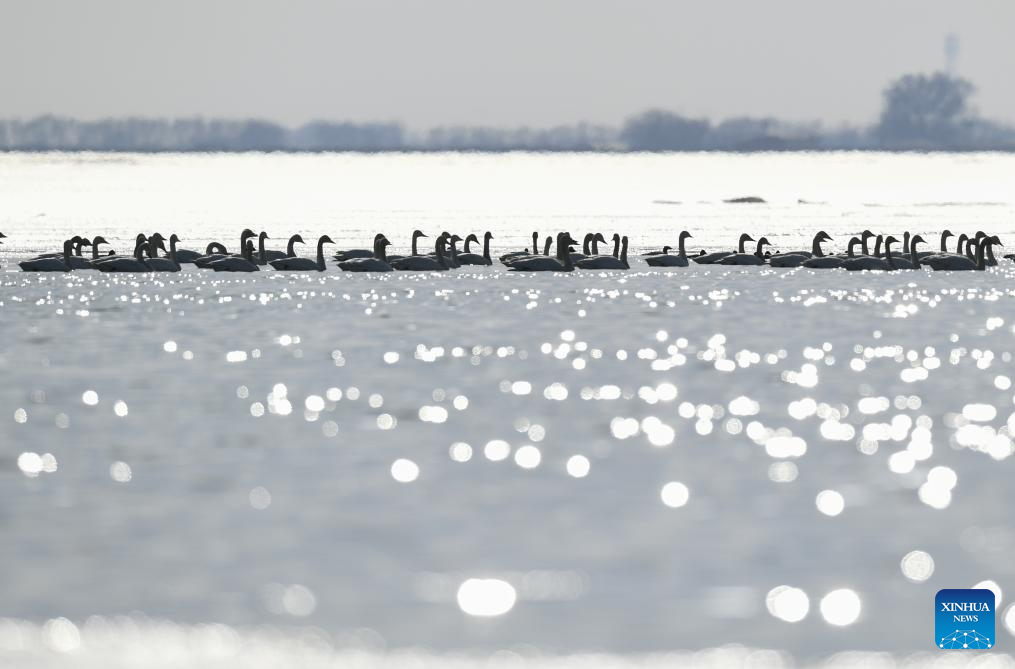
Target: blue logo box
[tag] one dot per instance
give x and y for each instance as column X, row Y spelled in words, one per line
column 964, row 619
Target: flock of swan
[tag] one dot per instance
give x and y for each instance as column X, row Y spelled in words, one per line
column 971, row 253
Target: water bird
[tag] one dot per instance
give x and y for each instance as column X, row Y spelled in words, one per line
column 292, row 263
column 377, row 262
column 50, row 264
column 666, row 260
column 467, row 258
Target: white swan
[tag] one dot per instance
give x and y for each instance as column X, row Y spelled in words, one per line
column 756, row 258
column 712, row 258
column 294, row 264
column 50, row 264
column 376, row 263
column 467, row 258
column 607, row 262
column 561, row 263
column 666, row 260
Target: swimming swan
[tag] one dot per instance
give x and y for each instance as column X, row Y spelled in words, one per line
column 607, row 262
column 756, row 258
column 294, row 264
column 50, row 264
column 664, row 259
column 561, row 263
column 467, row 258
column 712, row 258
column 376, row 263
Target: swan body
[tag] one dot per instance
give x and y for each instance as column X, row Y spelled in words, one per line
column 756, row 258
column 713, row 258
column 234, row 264
column 377, row 262
column 561, row 263
column 424, row 263
column 666, row 260
column 133, row 264
column 606, row 262
column 467, row 258
column 50, row 264
column 294, row 264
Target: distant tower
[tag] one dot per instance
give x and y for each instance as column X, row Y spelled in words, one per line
column 951, row 52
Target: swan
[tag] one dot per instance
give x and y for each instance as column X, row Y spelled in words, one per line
column 207, row 259
column 76, row 242
column 50, row 264
column 664, row 259
column 474, row 258
column 77, row 261
column 756, row 258
column 965, row 250
column 452, row 258
column 376, row 263
column 292, row 263
column 419, row 263
column 237, row 264
column 546, row 253
column 290, row 251
column 352, row 254
column 913, row 262
column 607, row 262
column 138, row 241
column 586, row 248
column 831, row 262
column 712, row 258
column 561, row 263
column 526, row 252
column 169, row 264
column 957, row 262
column 873, row 262
column 797, row 258
column 864, row 236
column 416, row 234
column 133, row 264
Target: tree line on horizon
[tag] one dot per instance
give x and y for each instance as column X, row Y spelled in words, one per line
column 919, row 112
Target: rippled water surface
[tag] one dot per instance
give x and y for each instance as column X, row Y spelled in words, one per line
column 483, row 467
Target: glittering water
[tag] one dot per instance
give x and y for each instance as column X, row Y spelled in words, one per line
column 492, row 466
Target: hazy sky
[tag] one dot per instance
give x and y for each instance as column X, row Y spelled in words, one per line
column 536, row 62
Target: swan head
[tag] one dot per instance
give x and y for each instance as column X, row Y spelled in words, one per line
column 746, row 238
column 599, row 238
column 297, row 239
column 472, row 238
column 890, row 240
column 666, row 249
column 823, row 236
column 979, row 234
column 487, row 235
column 914, row 240
column 994, row 239
column 2, row 235
column 945, row 234
column 173, row 238
column 76, row 239
column 764, row 242
column 263, row 236
column 684, row 234
column 84, row 241
column 616, row 237
column 454, row 238
column 865, row 234
column 99, row 240
column 325, row 239
column 155, row 236
column 416, row 234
